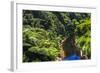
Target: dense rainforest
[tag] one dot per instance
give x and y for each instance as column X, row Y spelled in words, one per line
column 43, row 32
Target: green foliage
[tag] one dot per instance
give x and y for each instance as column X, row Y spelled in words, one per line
column 51, row 53
column 44, row 30
column 40, row 43
column 83, row 39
